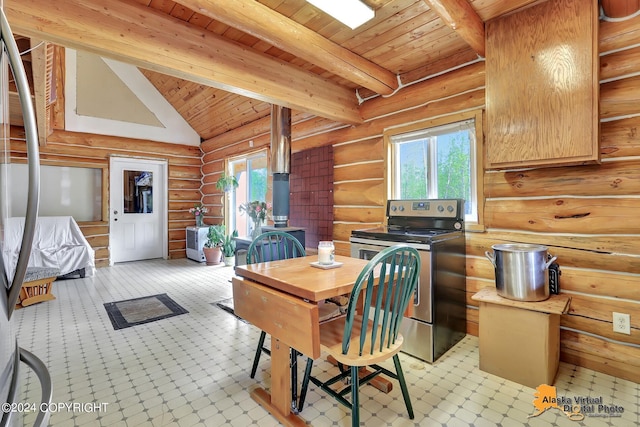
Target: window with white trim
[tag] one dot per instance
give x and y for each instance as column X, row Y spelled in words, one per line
column 439, row 159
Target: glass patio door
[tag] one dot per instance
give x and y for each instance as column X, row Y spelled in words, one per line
column 251, row 173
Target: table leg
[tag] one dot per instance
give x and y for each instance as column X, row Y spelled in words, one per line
column 280, row 377
column 279, row 402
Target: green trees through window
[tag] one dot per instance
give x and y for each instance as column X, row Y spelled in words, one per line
column 258, row 184
column 437, row 162
column 454, row 166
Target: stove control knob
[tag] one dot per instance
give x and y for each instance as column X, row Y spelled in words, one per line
column 440, row 208
column 450, row 208
column 393, row 208
column 401, row 208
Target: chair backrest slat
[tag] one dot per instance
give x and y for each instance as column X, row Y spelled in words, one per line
column 274, row 245
column 392, row 275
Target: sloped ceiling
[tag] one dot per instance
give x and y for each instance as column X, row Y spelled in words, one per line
column 220, row 64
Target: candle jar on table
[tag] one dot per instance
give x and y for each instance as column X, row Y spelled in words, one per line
column 326, row 252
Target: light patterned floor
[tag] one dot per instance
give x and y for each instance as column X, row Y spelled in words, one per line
column 193, row 369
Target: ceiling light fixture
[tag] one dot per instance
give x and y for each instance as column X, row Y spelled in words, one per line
column 352, row 13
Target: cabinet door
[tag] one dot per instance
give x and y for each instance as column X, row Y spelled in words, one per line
column 542, row 86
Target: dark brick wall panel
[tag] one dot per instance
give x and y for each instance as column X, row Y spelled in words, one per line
column 311, row 187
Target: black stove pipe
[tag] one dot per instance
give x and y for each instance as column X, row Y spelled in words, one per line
column 280, row 163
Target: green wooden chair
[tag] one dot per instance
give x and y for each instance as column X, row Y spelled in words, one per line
column 272, row 246
column 382, row 291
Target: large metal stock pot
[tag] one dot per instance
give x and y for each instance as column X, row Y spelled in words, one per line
column 522, row 271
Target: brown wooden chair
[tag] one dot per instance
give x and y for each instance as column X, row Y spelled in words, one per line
column 37, row 286
column 370, row 332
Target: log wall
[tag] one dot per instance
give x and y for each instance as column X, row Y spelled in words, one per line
column 93, row 151
column 587, row 215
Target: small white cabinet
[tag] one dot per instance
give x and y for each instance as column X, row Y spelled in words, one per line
column 196, row 238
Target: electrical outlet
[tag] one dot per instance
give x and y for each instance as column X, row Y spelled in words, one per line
column 622, row 323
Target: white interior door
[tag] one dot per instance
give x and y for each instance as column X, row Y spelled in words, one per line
column 138, row 209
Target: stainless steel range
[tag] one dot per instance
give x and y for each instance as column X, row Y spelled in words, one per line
column 436, row 228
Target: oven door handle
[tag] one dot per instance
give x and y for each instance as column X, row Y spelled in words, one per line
column 379, row 244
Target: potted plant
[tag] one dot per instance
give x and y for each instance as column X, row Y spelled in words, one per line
column 213, row 246
column 198, row 211
column 258, row 212
column 229, row 248
column 227, row 183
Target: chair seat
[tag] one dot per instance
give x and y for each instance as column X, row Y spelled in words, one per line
column 331, row 334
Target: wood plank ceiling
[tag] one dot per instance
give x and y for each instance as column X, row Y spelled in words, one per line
column 408, row 40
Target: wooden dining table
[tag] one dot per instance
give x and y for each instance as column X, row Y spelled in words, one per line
column 282, row 298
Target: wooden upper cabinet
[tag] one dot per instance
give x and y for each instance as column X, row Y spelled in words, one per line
column 542, row 86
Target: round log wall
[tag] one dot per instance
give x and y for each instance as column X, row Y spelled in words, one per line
column 587, row 215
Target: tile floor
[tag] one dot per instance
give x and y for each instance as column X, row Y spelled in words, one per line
column 193, row 369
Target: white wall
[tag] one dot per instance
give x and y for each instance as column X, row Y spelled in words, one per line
column 64, row 191
column 132, row 88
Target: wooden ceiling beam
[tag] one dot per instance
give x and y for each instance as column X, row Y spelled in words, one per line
column 149, row 39
column 463, row 19
column 619, row 8
column 268, row 25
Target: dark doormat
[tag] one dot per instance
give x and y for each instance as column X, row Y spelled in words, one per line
column 227, row 305
column 138, row 311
